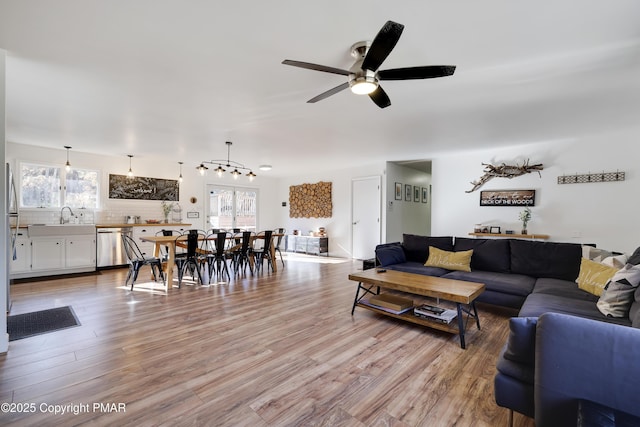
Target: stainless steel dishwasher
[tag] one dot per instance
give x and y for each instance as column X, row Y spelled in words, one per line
column 109, row 247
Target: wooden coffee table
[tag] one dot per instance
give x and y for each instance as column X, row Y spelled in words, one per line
column 458, row 291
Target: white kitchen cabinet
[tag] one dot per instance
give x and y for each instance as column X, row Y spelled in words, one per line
column 22, row 263
column 80, row 251
column 47, row 253
column 52, row 255
column 145, row 247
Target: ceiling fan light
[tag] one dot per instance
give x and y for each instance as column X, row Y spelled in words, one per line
column 363, row 85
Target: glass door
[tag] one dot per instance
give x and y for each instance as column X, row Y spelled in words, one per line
column 232, row 207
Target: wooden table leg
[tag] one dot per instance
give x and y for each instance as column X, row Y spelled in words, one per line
column 171, row 259
column 274, row 264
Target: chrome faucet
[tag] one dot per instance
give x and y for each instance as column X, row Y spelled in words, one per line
column 62, row 221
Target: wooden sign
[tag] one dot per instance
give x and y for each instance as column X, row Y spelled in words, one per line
column 508, row 198
column 141, row 188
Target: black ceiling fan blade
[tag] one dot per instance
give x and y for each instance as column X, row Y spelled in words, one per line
column 382, row 45
column 380, row 97
column 316, row 67
column 412, row 73
column 328, row 93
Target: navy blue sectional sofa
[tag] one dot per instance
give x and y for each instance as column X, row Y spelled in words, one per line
column 534, row 277
column 531, row 276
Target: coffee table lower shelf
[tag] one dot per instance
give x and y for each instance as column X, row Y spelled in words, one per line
column 457, row 326
column 412, row 318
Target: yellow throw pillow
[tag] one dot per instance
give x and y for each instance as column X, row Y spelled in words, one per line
column 594, row 276
column 450, row 260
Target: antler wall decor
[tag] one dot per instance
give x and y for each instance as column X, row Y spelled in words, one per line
column 504, row 171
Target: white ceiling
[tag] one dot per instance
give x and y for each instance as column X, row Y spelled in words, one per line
column 179, row 78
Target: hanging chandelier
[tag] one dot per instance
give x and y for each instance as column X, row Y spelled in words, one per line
column 237, row 167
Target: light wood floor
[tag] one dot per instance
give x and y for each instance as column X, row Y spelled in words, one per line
column 273, row 350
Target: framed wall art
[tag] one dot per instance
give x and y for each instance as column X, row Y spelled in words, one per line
column 398, row 191
column 425, row 194
column 143, row 188
column 416, row 193
column 407, row 192
column 508, row 198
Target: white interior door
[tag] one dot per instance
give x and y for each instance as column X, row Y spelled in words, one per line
column 365, row 208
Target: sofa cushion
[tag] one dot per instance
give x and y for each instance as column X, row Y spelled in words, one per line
column 521, row 344
column 538, row 303
column 594, row 276
column 635, row 257
column 634, row 311
column 514, row 284
column 449, row 260
column 562, row 288
column 390, row 253
column 617, row 261
column 418, row 268
column 619, row 293
column 545, row 259
column 417, row 247
column 594, row 254
column 488, row 254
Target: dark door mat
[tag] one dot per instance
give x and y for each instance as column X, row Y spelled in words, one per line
column 40, row 322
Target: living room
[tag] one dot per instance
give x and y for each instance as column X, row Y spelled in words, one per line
column 569, row 105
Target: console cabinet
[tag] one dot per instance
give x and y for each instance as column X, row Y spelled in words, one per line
column 308, row 244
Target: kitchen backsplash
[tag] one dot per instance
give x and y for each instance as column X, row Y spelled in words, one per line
column 87, row 216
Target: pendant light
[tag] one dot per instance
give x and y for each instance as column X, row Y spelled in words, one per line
column 130, row 173
column 237, row 167
column 67, row 165
column 180, row 177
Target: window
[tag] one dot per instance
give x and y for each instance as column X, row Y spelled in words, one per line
column 43, row 186
column 231, row 208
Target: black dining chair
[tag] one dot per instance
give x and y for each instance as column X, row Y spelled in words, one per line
column 264, row 252
column 278, row 241
column 217, row 256
column 136, row 259
column 242, row 254
column 193, row 259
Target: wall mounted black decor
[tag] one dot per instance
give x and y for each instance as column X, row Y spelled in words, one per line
column 591, row 177
column 142, row 188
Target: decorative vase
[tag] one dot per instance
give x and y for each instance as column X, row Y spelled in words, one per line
column 166, row 220
column 524, row 231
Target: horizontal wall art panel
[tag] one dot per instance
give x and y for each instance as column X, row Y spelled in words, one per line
column 142, row 188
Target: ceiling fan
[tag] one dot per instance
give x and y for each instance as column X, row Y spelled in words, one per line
column 364, row 76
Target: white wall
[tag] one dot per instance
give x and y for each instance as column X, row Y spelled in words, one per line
column 406, row 216
column 4, row 337
column 338, row 227
column 113, row 210
column 601, row 213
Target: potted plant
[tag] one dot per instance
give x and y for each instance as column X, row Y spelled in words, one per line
column 166, row 210
column 525, row 217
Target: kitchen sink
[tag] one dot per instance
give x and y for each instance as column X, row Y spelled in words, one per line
column 60, row 229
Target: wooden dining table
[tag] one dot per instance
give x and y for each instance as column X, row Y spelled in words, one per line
column 173, row 242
